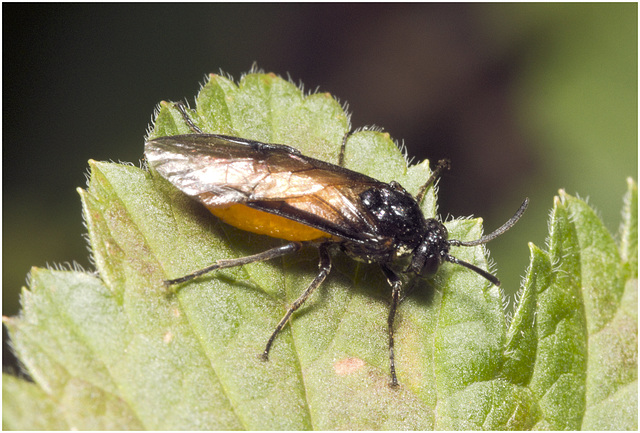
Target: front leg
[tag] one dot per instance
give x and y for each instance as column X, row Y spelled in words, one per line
column 396, row 289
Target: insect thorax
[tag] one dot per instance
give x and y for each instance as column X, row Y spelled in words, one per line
column 399, row 225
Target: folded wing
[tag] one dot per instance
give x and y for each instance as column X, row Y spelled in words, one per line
column 221, row 171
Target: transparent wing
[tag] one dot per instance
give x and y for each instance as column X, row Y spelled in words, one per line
column 220, row 171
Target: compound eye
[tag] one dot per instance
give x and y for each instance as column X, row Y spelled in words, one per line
column 431, row 265
column 425, row 260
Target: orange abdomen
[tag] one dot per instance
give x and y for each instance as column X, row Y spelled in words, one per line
column 264, row 223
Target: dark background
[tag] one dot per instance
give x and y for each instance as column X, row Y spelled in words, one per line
column 523, row 98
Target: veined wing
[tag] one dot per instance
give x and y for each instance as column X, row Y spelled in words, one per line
column 222, row 171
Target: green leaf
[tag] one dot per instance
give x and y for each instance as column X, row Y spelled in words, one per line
column 27, row 407
column 573, row 339
column 118, row 350
column 69, row 330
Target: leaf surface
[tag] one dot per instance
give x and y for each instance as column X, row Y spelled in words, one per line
column 119, row 350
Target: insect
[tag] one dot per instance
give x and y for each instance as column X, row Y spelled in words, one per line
column 273, row 189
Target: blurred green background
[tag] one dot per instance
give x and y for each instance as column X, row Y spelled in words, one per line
column 523, row 98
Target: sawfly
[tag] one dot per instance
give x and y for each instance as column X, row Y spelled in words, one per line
column 274, row 190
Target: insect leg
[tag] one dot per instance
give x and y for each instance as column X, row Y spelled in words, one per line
column 325, row 268
column 342, row 149
column 396, row 287
column 181, row 108
column 443, row 164
column 272, row 253
column 409, row 290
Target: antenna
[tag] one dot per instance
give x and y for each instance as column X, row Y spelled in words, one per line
column 506, row 226
column 483, row 240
